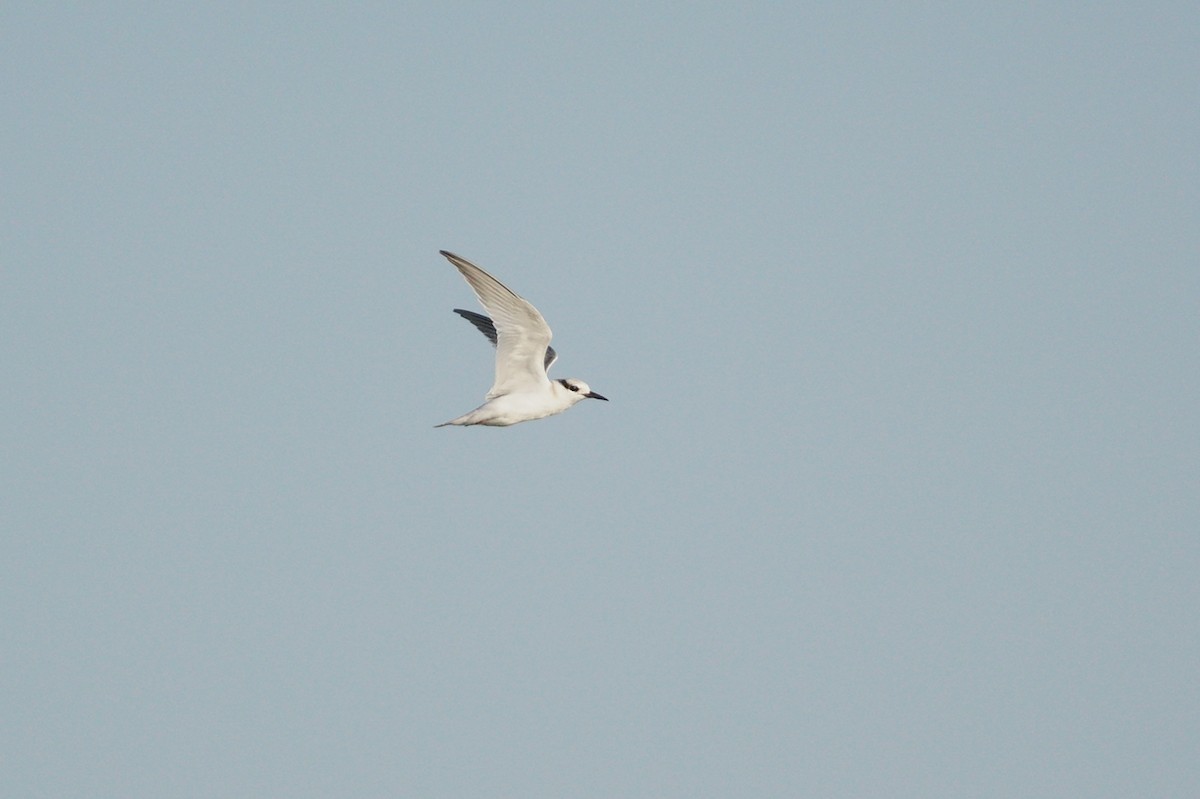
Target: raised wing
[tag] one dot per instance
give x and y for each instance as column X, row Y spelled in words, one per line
column 484, row 325
column 522, row 335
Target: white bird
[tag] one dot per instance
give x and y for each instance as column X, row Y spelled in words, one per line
column 522, row 391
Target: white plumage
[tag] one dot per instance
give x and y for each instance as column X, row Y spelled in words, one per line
column 522, row 390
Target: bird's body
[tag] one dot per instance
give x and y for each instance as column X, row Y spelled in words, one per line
column 522, row 390
column 522, row 406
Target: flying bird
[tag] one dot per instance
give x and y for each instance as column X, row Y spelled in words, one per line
column 523, row 391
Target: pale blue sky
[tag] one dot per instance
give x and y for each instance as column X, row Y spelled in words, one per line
column 898, row 493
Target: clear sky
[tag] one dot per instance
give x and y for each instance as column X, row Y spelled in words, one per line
column 897, row 494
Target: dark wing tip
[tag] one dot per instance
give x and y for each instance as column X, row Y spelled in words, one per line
column 482, row 323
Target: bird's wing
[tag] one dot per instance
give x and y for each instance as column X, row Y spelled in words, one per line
column 484, row 325
column 522, row 335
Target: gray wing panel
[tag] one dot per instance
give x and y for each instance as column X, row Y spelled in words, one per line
column 484, row 325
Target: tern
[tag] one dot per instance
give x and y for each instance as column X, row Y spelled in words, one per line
column 523, row 391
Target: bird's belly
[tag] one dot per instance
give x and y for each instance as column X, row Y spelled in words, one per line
column 511, row 409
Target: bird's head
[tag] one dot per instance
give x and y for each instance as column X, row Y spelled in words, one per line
column 579, row 389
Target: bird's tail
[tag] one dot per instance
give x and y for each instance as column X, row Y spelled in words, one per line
column 460, row 421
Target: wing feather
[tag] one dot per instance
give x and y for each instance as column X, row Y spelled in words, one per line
column 484, row 325
column 522, row 335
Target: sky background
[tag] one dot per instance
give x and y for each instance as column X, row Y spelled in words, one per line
column 898, row 493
